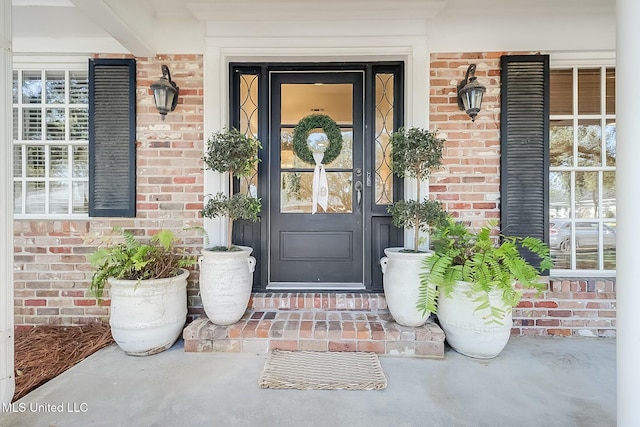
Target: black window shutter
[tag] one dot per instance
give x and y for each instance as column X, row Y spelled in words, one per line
column 112, row 138
column 524, row 145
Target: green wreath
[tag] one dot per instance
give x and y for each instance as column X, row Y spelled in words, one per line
column 301, row 133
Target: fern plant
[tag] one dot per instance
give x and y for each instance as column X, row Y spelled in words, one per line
column 486, row 262
column 134, row 260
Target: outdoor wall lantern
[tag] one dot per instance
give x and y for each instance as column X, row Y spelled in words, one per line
column 165, row 93
column 470, row 93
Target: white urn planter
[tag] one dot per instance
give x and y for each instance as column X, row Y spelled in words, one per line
column 467, row 331
column 226, row 278
column 147, row 316
column 401, row 282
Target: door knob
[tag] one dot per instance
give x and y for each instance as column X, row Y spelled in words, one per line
column 358, row 187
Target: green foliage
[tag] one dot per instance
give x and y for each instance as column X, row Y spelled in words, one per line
column 415, row 152
column 134, row 260
column 301, row 134
column 483, row 261
column 418, row 215
column 236, row 153
column 238, row 206
column 232, row 151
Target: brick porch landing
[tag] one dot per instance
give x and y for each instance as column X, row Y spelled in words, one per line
column 316, row 322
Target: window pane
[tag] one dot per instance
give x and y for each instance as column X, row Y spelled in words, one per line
column 345, row 158
column 582, row 193
column 32, row 124
column 17, row 197
column 78, row 87
column 55, row 124
column 610, row 245
column 589, row 143
column 561, row 143
column 80, row 197
column 78, row 124
column 589, row 91
column 610, row 142
column 59, row 162
column 587, row 194
column 58, row 197
column 41, row 115
column 17, row 161
column 561, row 92
column 287, row 158
column 611, row 91
column 15, row 124
column 54, row 85
column 384, row 128
column 587, row 245
column 31, row 87
column 80, row 161
column 36, row 161
column 35, row 197
column 609, row 195
column 560, row 194
column 296, row 195
column 14, row 88
column 560, row 243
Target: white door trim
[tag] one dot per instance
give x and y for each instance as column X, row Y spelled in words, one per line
column 221, row 50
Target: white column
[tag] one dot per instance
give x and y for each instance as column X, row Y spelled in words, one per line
column 628, row 236
column 7, row 383
column 215, row 118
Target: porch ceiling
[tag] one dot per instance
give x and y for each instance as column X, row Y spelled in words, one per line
column 147, row 27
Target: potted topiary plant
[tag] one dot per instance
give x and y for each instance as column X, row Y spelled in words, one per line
column 226, row 272
column 147, row 288
column 475, row 276
column 414, row 153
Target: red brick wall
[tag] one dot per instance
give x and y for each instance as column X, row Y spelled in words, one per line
column 469, row 182
column 469, row 186
column 51, row 257
column 51, row 267
column 569, row 307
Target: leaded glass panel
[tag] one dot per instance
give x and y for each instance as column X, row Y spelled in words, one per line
column 384, row 123
column 249, row 124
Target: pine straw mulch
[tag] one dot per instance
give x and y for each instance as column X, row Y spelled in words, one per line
column 44, row 352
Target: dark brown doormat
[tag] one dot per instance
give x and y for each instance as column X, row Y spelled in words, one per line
column 309, row 370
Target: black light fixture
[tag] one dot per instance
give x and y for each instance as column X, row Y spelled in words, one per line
column 470, row 93
column 165, row 93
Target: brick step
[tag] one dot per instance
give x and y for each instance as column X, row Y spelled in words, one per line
column 317, row 301
column 260, row 331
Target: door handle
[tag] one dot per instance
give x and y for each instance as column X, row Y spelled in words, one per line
column 358, row 188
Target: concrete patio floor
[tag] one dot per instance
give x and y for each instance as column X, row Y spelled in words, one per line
column 536, row 381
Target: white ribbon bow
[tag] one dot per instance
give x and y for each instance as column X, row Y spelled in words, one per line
column 320, row 184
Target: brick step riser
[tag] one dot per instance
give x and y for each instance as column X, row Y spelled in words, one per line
column 264, row 330
column 318, row 301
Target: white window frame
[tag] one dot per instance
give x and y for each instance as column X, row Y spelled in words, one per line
column 43, row 64
column 574, row 61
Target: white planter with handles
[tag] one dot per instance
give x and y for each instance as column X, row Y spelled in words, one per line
column 148, row 316
column 226, row 278
column 466, row 329
column 401, row 284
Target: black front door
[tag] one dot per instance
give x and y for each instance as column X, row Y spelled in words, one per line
column 313, row 246
column 337, row 248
